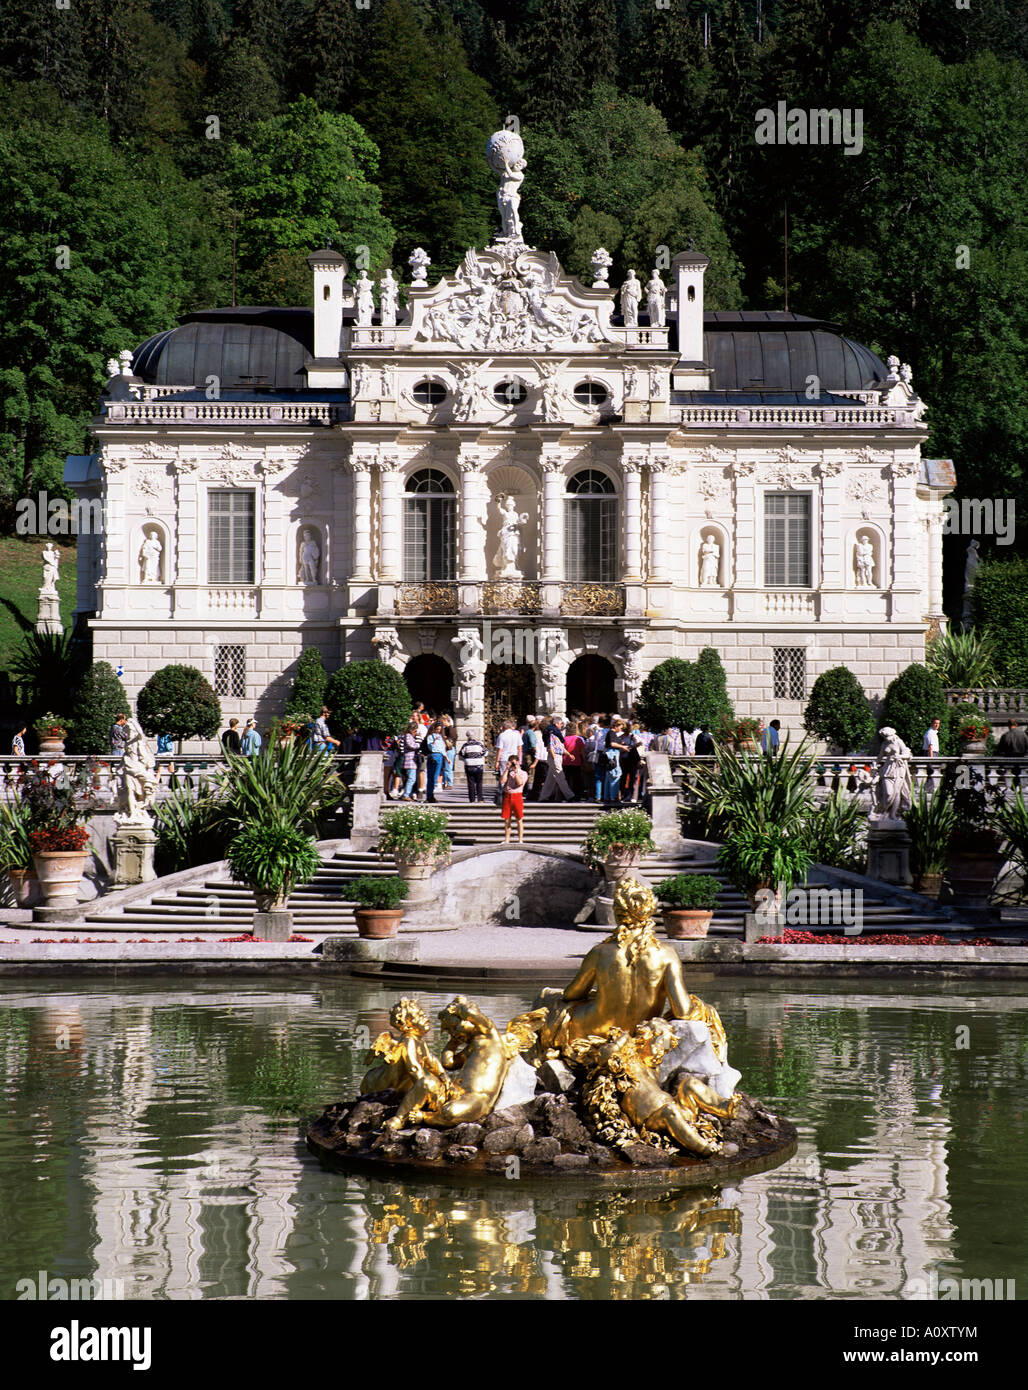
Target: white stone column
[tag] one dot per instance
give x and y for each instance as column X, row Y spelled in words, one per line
column 659, row 504
column 391, row 505
column 906, row 594
column 553, row 516
column 935, row 557
column 631, row 471
column 361, row 474
column 473, row 503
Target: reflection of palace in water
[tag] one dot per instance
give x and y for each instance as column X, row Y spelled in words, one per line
column 188, row 1191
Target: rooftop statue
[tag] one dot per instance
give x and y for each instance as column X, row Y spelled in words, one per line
column 506, row 155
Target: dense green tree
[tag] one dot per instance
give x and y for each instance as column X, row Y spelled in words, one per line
column 308, row 692
column 333, row 30
column 368, row 696
column 838, row 711
column 306, row 177
column 912, row 700
column 670, row 68
column 99, row 700
column 555, row 46
column 430, row 117
column 1001, row 611
column 178, row 700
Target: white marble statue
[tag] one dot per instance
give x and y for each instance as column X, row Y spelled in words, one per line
column 656, row 299
column 310, row 558
column 555, row 399
column 505, row 561
column 51, row 562
column 365, row 300
column 388, row 300
column 864, row 561
column 710, row 563
column 631, row 296
column 150, row 556
column 471, row 396
column 125, row 358
column 506, row 155
column 419, row 260
column 137, row 779
column 892, row 789
column 113, row 368
column 601, row 263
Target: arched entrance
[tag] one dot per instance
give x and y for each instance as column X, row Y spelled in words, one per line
column 590, row 687
column 509, row 694
column 430, row 679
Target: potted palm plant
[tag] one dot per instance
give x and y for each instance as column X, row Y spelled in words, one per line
column 688, row 903
column 617, row 842
column 378, row 899
column 416, row 838
column 16, row 853
column 930, row 821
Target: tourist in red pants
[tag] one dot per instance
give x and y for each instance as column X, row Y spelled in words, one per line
column 512, row 784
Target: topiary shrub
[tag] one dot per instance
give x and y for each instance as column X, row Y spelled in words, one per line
column 369, row 696
column 714, row 704
column 911, row 702
column 838, row 711
column 308, row 692
column 177, row 700
column 101, row 697
column 683, row 694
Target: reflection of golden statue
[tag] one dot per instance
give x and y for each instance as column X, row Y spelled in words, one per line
column 624, row 1099
column 398, row 1063
column 483, row 1056
column 629, row 977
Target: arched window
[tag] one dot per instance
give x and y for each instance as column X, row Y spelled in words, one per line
column 429, row 525
column 590, row 528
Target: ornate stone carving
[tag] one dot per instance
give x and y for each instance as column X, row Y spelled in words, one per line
column 471, row 396
column 656, row 296
column 631, row 295
column 308, row 562
column 137, row 779
column 506, row 155
column 505, row 561
column 388, row 299
column 601, row 262
column 365, row 300
column 51, row 565
column 864, row 561
column 419, row 261
column 864, row 491
column 150, row 556
column 387, row 641
column 710, row 562
column 715, row 489
column 632, row 642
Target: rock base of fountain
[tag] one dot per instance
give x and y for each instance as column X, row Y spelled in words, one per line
column 545, row 1138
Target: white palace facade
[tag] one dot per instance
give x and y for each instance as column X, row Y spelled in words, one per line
column 521, row 491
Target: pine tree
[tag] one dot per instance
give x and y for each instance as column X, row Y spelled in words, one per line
column 333, row 30
column 555, row 49
column 670, row 68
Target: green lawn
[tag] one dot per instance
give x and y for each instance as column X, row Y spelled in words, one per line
column 21, row 574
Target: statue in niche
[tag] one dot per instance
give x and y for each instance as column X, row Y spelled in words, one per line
column 388, row 300
column 505, row 560
column 150, row 556
column 656, row 298
column 710, row 562
column 51, row 562
column 365, row 300
column 631, row 296
column 864, row 561
column 310, row 558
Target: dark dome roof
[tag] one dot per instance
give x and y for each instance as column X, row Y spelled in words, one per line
column 771, row 351
column 243, row 348
column 751, row 351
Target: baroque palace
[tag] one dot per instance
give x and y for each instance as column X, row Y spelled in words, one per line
column 521, row 491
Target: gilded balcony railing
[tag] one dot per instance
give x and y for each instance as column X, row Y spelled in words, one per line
column 592, row 600
column 430, row 597
column 511, row 596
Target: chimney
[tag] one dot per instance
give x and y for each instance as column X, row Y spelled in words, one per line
column 330, row 297
column 687, row 269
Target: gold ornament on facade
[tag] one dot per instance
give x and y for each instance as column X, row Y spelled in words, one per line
column 601, row 600
column 511, row 598
column 413, row 599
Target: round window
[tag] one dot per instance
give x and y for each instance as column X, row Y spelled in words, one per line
column 590, row 393
column 429, row 393
column 510, row 393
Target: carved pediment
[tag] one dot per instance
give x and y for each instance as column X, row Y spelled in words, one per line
column 508, row 299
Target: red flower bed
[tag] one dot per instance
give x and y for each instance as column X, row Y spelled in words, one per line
column 809, row 938
column 71, row 839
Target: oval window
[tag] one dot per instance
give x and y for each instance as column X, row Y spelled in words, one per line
column 510, row 393
column 590, row 393
column 429, row 393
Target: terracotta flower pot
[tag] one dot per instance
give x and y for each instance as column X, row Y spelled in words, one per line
column 51, row 745
column 746, row 745
column 24, row 886
column 60, row 873
column 270, row 901
column 928, row 884
column 378, row 922
column 686, row 923
column 416, row 870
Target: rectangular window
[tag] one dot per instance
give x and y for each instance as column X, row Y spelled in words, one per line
column 230, row 536
column 591, row 540
column 790, row 673
column 428, row 539
column 787, row 540
column 230, row 672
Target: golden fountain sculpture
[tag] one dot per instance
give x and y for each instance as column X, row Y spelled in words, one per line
column 608, row 1026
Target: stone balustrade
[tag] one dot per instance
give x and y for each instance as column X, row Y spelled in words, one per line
column 789, row 416
column 999, row 703
column 165, row 412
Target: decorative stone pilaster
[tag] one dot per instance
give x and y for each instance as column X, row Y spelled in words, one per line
column 473, row 505
column 551, row 668
column 744, row 540
column 631, row 471
column 360, row 464
column 391, row 520
column 659, row 504
column 469, row 690
column 905, row 588
column 187, row 534
column 552, row 467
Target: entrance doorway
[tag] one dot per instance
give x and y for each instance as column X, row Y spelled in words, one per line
column 430, row 679
column 509, row 694
column 590, row 687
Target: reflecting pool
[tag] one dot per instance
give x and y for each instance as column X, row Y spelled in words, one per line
column 150, row 1138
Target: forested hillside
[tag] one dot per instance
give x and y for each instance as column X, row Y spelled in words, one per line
column 160, row 157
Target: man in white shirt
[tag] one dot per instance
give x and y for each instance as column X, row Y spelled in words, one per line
column 930, row 747
column 508, row 745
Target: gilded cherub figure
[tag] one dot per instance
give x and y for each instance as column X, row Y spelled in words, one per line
column 624, row 980
column 626, row 1103
column 399, row 1063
